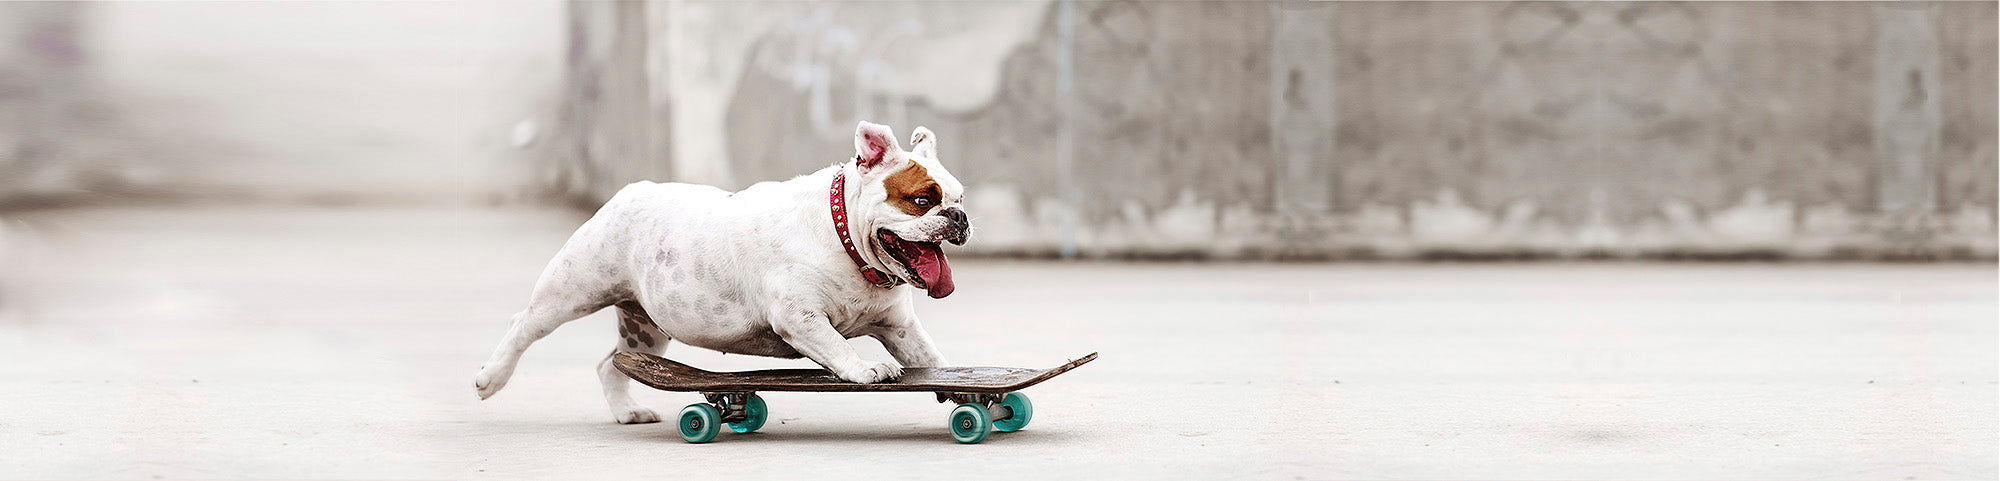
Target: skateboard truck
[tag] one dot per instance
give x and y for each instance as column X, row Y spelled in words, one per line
column 743, row 411
column 731, row 404
column 996, row 406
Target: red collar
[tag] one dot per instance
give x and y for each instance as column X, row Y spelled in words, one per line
column 838, row 198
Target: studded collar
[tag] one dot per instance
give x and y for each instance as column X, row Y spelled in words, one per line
column 837, row 199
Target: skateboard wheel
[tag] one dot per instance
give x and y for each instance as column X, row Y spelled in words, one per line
column 754, row 414
column 1023, row 410
column 699, row 423
column 969, row 424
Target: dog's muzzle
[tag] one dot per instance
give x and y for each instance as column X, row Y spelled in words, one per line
column 960, row 227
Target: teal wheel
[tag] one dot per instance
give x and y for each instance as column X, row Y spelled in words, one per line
column 969, row 424
column 700, row 422
column 754, row 414
column 1023, row 411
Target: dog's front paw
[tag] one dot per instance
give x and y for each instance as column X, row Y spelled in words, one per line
column 872, row 372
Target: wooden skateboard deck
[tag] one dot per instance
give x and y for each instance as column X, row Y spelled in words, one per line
column 667, row 375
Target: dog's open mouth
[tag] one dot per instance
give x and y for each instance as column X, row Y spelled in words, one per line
column 923, row 263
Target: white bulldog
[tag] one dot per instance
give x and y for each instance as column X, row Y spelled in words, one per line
column 780, row 269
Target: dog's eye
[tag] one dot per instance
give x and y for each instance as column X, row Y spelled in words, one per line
column 921, row 201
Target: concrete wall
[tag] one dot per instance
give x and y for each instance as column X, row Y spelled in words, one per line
column 334, row 102
column 1427, row 129
column 1339, row 130
column 1089, row 128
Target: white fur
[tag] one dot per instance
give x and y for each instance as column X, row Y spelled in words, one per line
column 759, row 271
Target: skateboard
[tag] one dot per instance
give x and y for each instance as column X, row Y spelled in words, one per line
column 987, row 397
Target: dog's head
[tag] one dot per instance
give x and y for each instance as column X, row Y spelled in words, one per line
column 909, row 203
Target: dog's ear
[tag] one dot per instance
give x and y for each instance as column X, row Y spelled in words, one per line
column 875, row 147
column 923, row 143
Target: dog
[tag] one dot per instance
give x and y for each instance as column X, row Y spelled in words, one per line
column 781, row 269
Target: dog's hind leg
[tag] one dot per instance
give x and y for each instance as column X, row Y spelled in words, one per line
column 529, row 325
column 636, row 333
column 559, row 298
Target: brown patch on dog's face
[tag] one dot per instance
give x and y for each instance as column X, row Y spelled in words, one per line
column 909, row 185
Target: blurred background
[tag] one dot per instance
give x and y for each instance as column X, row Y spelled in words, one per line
column 244, row 239
column 1216, row 130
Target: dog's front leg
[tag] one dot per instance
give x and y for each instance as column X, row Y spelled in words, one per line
column 906, row 339
column 812, row 334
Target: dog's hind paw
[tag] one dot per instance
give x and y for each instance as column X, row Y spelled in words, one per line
column 635, row 415
column 488, row 382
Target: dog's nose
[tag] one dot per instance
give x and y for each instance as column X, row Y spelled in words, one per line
column 961, row 228
column 956, row 215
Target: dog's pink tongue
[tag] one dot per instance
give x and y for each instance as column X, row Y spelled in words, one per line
column 930, row 264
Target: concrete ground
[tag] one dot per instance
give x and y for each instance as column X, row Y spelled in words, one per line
column 308, row 343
